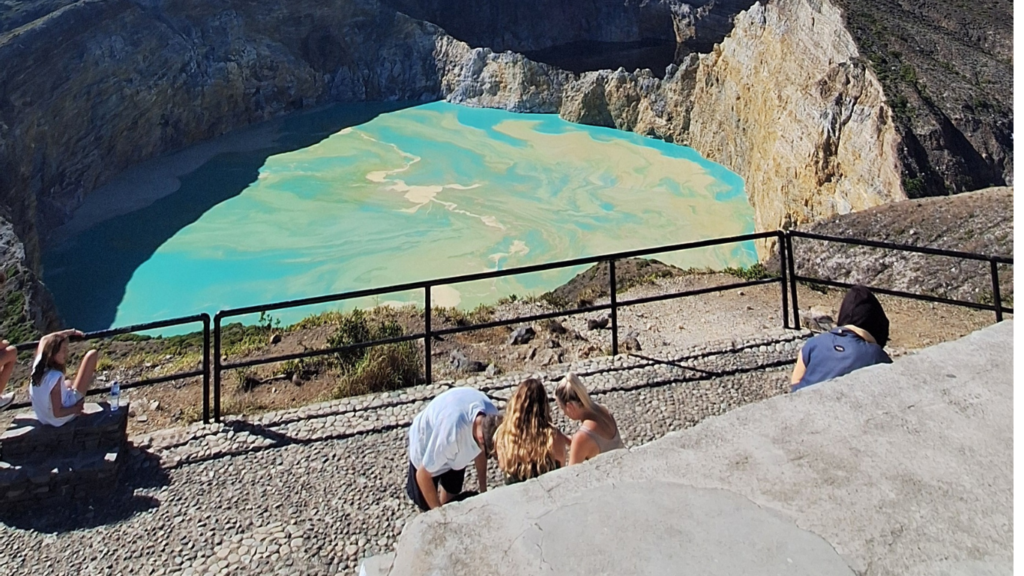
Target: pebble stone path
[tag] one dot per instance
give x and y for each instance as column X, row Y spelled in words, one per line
column 316, row 489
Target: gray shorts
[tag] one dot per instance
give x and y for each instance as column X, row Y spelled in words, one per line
column 69, row 397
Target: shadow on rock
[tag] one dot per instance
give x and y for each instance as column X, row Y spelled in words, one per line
column 140, row 471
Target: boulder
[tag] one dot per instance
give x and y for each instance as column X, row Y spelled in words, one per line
column 630, row 343
column 555, row 327
column 817, row 319
column 522, row 335
column 460, row 362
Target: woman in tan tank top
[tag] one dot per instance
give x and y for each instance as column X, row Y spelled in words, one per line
column 598, row 432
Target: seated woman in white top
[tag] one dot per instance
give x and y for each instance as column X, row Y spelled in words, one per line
column 598, row 431
column 55, row 400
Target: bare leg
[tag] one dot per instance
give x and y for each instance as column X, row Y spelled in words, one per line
column 8, row 358
column 83, row 378
column 445, row 496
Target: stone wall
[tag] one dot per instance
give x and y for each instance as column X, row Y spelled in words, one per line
column 41, row 465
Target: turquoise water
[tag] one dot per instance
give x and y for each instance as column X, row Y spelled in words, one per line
column 366, row 196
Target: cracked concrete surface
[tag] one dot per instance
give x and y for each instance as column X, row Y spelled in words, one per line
column 899, row 469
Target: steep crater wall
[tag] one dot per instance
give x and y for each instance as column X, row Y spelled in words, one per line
column 786, row 98
column 815, row 124
column 785, row 101
column 95, row 86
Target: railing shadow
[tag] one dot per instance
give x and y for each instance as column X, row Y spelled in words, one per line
column 274, row 437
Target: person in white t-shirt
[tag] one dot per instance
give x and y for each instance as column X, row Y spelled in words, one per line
column 56, row 400
column 455, row 430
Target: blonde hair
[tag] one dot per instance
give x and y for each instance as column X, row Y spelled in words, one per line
column 571, row 389
column 526, row 436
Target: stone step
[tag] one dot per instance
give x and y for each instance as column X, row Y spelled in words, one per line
column 50, row 480
column 28, row 440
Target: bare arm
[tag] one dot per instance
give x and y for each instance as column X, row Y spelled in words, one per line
column 57, row 402
column 68, row 333
column 426, row 483
column 481, row 472
column 798, row 370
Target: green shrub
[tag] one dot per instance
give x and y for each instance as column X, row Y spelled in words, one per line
column 908, row 74
column 755, row 272
column 387, row 367
column 482, row 313
column 914, row 187
column 316, row 320
column 357, row 327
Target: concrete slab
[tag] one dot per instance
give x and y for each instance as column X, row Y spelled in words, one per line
column 900, row 469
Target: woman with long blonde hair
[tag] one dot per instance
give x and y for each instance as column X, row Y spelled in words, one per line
column 598, row 431
column 527, row 442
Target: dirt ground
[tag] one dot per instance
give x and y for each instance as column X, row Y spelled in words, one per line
column 660, row 325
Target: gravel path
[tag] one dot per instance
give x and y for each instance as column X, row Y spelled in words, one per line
column 315, row 490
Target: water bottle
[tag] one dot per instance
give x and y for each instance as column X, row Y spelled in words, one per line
column 115, row 396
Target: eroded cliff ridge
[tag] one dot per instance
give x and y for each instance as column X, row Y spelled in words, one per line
column 783, row 91
column 785, row 101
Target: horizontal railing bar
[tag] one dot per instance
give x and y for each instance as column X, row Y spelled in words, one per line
column 125, row 330
column 157, row 380
column 495, row 274
column 324, row 352
column 126, row 386
column 902, row 247
column 698, row 292
column 901, row 294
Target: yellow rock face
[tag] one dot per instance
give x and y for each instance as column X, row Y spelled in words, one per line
column 785, row 102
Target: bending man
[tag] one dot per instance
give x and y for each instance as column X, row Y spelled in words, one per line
column 455, row 430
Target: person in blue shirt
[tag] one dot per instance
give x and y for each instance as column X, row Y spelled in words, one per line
column 857, row 342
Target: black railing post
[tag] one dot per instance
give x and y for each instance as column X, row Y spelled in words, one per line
column 792, row 278
column 206, row 368
column 783, row 277
column 427, row 335
column 615, row 310
column 216, row 367
column 996, row 298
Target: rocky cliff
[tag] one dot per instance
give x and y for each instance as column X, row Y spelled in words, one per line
column 785, row 101
column 786, row 97
column 947, row 69
column 538, row 24
column 789, row 101
column 91, row 87
column 980, row 222
column 26, row 308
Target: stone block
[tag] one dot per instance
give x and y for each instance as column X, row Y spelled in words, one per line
column 96, row 428
column 58, row 477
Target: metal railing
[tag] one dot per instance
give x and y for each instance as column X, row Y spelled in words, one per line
column 204, row 371
column 429, row 333
column 994, row 261
column 787, row 278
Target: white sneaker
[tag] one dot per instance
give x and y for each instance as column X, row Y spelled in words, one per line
column 6, row 400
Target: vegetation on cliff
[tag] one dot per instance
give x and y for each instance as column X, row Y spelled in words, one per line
column 947, row 70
